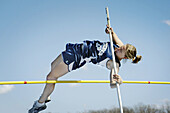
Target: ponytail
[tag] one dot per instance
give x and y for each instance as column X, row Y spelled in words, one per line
column 131, row 54
column 136, row 59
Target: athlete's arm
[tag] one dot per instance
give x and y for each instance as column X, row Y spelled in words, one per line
column 116, row 40
column 114, row 77
column 109, row 65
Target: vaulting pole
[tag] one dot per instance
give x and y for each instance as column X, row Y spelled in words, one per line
column 114, row 63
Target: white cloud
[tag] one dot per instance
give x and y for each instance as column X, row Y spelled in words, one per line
column 167, row 22
column 5, row 88
column 165, row 100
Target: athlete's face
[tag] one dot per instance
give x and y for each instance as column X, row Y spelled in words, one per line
column 120, row 52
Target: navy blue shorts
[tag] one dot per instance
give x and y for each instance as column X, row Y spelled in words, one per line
column 72, row 56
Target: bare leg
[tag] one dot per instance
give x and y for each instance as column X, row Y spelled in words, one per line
column 58, row 69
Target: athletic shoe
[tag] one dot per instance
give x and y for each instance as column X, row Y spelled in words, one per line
column 36, row 109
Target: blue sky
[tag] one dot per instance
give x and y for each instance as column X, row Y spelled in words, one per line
column 33, row 33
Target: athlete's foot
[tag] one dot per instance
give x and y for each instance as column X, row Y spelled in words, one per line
column 36, row 108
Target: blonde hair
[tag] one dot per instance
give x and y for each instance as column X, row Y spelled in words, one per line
column 131, row 53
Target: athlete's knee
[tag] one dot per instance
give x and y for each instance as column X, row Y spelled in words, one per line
column 51, row 76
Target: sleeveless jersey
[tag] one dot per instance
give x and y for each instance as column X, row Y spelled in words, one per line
column 76, row 55
column 96, row 51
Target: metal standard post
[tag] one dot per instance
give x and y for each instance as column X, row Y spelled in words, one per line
column 114, row 63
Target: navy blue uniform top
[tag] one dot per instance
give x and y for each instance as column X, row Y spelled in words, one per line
column 98, row 51
column 76, row 55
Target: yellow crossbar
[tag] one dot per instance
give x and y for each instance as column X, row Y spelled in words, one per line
column 79, row 81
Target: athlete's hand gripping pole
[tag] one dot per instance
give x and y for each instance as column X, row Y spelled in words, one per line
column 114, row 69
